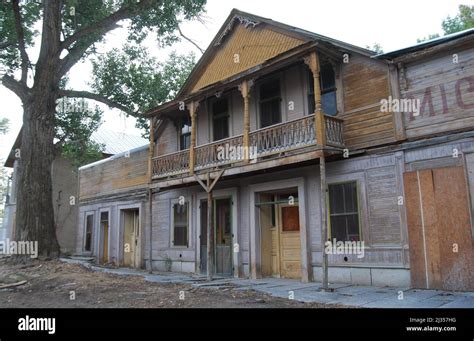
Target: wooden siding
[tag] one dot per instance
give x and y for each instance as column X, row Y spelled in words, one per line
column 167, row 139
column 253, row 47
column 113, row 175
column 365, row 84
column 445, row 91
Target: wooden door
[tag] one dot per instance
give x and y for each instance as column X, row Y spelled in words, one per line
column 290, row 241
column 131, row 238
column 439, row 229
column 137, row 239
column 105, row 238
column 223, row 237
column 203, row 238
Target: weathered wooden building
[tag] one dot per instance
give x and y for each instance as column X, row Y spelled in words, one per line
column 281, row 139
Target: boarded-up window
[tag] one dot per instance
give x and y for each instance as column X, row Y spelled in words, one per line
column 290, row 219
column 270, row 98
column 88, row 232
column 220, row 119
column 180, row 224
column 344, row 211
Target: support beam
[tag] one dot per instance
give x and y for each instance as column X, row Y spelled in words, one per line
column 319, row 125
column 244, row 88
column 151, row 151
column 210, row 232
column 192, row 107
column 324, row 225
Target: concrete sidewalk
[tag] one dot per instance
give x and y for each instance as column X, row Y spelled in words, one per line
column 344, row 294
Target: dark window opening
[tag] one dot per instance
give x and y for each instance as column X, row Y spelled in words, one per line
column 327, row 80
column 270, row 107
column 344, row 211
column 88, row 236
column 220, row 119
column 180, row 228
column 185, row 133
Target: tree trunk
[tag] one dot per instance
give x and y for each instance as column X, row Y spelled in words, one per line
column 34, row 211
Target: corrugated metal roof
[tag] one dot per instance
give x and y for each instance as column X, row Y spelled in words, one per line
column 425, row 44
column 117, row 142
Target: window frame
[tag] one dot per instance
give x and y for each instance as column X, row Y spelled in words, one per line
column 359, row 208
column 277, row 79
column 181, row 125
column 213, row 116
column 188, row 225
column 84, row 239
column 310, row 94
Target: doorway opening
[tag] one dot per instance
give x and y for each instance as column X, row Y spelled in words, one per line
column 222, row 215
column 280, row 234
column 104, row 231
column 131, row 237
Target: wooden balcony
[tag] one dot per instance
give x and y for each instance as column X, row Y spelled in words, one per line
column 263, row 143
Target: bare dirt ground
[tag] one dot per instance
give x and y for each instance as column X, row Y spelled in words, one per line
column 49, row 284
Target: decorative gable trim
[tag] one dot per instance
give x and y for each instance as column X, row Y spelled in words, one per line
column 243, row 21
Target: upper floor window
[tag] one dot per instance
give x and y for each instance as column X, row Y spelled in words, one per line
column 185, row 133
column 220, row 119
column 344, row 211
column 327, row 80
column 270, row 98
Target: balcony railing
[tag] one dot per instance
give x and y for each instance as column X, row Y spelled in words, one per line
column 264, row 142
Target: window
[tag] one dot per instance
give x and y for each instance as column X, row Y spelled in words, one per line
column 327, row 80
column 185, row 133
column 270, row 98
column 180, row 224
column 88, row 234
column 220, row 119
column 344, row 211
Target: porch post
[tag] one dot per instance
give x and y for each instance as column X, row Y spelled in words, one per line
column 210, row 231
column 192, row 107
column 244, row 88
column 320, row 129
column 319, row 125
column 150, row 191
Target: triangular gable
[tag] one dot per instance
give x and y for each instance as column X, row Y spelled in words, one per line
column 240, row 45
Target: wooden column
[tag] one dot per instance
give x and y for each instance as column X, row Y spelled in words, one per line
column 151, row 151
column 244, row 88
column 192, row 107
column 210, row 232
column 319, row 125
column 320, row 128
column 324, row 225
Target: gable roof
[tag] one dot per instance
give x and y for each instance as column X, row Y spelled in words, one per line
column 293, row 36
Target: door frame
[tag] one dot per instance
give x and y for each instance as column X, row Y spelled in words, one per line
column 279, row 227
column 100, row 238
column 121, row 234
column 255, row 233
column 220, row 194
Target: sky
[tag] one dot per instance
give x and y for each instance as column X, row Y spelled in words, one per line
column 392, row 24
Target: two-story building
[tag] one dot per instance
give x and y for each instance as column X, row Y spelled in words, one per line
column 282, row 139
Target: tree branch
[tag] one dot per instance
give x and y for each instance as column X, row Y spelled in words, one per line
column 106, row 24
column 190, row 40
column 98, row 98
column 19, row 88
column 5, row 44
column 25, row 62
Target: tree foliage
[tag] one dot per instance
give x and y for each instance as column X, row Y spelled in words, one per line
column 462, row 21
column 137, row 81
